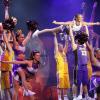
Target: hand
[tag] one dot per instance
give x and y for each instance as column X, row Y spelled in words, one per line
column 95, row 4
column 97, row 23
column 54, row 22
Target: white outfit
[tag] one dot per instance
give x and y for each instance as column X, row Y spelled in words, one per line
column 76, row 27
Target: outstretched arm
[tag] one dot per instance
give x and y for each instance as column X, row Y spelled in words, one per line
column 91, row 23
column 62, row 23
column 52, row 30
column 15, row 62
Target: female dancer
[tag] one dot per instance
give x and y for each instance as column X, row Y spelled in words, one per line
column 95, row 79
column 77, row 23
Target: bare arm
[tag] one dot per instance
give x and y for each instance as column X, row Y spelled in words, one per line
column 9, row 35
column 16, row 62
column 93, row 12
column 55, row 43
column 74, row 46
column 84, row 5
column 62, row 23
column 94, row 61
column 91, row 23
column 66, row 46
column 7, row 43
column 97, row 41
column 6, row 12
column 56, row 30
column 86, row 29
column 14, row 38
column 27, row 38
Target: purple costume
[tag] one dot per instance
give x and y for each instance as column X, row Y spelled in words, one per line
column 95, row 80
column 82, row 72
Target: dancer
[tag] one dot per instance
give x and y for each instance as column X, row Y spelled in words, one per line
column 95, row 79
column 77, row 23
column 62, row 69
column 82, row 59
column 6, row 69
column 30, row 69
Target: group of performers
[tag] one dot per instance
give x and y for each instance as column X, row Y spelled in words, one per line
column 19, row 74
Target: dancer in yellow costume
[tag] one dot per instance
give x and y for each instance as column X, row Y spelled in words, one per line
column 62, row 69
column 6, row 69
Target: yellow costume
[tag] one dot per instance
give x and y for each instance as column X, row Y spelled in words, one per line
column 89, row 67
column 6, row 69
column 62, row 70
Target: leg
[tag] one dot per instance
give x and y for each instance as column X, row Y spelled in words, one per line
column 74, row 86
column 85, row 82
column 79, row 82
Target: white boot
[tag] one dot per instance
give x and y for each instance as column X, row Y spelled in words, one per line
column 28, row 93
column 66, row 97
column 79, row 97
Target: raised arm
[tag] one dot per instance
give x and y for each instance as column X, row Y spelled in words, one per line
column 8, row 35
column 27, row 38
column 6, row 4
column 55, row 43
column 87, row 30
column 94, row 61
column 14, row 38
column 97, row 40
column 74, row 46
column 66, row 46
column 93, row 12
column 7, row 43
column 83, row 7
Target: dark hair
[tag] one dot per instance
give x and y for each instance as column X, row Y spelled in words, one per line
column 76, row 16
column 33, row 54
column 32, row 25
column 82, row 37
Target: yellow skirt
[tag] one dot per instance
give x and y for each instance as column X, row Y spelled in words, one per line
column 63, row 81
column 5, row 80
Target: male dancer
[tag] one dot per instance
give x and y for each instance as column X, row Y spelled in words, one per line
column 82, row 59
column 62, row 69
